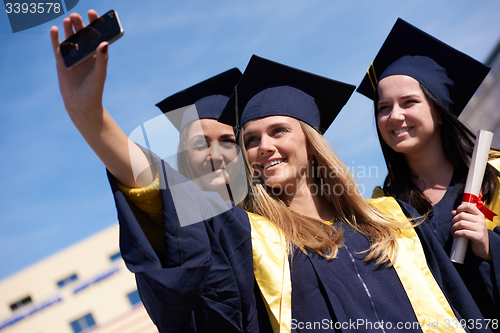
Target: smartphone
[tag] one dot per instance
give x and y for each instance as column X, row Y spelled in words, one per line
column 83, row 44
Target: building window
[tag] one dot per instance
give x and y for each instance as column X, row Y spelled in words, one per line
column 115, row 256
column 134, row 298
column 83, row 323
column 21, row 303
column 67, row 280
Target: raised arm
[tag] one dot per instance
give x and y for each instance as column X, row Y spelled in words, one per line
column 81, row 89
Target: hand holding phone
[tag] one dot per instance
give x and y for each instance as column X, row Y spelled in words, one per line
column 81, row 86
column 83, row 44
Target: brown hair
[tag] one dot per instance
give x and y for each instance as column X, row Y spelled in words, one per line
column 458, row 143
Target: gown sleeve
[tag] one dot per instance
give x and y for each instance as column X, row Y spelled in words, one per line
column 201, row 278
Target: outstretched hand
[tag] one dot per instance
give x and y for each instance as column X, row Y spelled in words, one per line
column 81, row 89
column 81, row 86
column 469, row 222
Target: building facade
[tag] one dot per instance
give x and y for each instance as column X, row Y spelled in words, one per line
column 482, row 112
column 85, row 287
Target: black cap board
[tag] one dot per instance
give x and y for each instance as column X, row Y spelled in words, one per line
column 209, row 97
column 452, row 76
column 268, row 88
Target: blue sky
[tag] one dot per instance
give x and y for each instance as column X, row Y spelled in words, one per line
column 54, row 189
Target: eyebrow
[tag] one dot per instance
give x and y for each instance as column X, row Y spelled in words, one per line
column 204, row 137
column 411, row 96
column 272, row 126
column 402, row 97
column 227, row 136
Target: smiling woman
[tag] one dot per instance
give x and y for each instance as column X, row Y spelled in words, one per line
column 276, row 146
column 207, row 152
column 210, row 148
column 203, row 264
column 408, row 121
column 345, row 259
column 420, row 86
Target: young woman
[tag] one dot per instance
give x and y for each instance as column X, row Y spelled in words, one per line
column 310, row 254
column 207, row 148
column 207, row 151
column 419, row 86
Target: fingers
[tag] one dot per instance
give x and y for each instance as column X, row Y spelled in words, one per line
column 467, row 217
column 77, row 22
column 68, row 27
column 54, row 38
column 101, row 62
column 469, row 208
column 459, row 227
column 92, row 15
column 72, row 24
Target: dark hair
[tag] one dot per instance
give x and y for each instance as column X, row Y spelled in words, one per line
column 458, row 143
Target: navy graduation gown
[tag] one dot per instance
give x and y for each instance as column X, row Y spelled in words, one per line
column 348, row 294
column 481, row 278
column 205, row 282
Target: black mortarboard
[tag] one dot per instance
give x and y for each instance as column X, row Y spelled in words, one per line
column 449, row 74
column 209, row 98
column 268, row 88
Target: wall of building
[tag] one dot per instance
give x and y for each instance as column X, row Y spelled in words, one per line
column 483, row 111
column 101, row 289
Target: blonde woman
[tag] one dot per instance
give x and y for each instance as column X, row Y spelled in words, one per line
column 309, row 254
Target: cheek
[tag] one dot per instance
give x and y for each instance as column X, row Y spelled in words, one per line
column 381, row 124
column 196, row 159
column 252, row 155
column 381, row 121
column 230, row 154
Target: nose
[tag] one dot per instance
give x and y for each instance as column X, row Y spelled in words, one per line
column 265, row 146
column 215, row 155
column 397, row 113
column 215, row 151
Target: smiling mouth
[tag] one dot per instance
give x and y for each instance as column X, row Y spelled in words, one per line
column 402, row 130
column 272, row 163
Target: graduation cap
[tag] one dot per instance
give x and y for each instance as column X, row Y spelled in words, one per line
column 268, row 88
column 449, row 74
column 208, row 97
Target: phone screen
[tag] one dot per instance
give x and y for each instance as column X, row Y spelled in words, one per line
column 84, row 43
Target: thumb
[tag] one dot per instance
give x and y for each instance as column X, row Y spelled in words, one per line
column 102, row 56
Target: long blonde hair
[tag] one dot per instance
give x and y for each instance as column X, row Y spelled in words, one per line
column 323, row 238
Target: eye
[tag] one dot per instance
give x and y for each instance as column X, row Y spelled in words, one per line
column 383, row 108
column 280, row 130
column 228, row 144
column 411, row 102
column 199, row 144
column 251, row 142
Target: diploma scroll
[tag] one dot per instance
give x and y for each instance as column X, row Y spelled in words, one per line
column 473, row 186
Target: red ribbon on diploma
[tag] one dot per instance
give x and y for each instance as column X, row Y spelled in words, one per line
column 478, row 201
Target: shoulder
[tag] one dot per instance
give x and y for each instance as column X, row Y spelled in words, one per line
column 495, row 162
column 262, row 226
column 388, row 206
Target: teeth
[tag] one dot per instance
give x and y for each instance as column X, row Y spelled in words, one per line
column 399, row 131
column 270, row 164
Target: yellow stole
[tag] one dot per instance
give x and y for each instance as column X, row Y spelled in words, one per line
column 494, row 205
column 272, row 273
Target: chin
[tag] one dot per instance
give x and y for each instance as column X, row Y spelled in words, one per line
column 402, row 148
column 215, row 184
column 275, row 184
